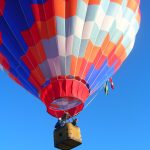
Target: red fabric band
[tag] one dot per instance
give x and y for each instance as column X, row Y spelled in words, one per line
column 68, row 88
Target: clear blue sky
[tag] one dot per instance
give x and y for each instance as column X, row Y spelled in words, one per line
column 119, row 121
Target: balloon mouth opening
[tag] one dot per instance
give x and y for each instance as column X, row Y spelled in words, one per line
column 65, row 94
column 65, row 103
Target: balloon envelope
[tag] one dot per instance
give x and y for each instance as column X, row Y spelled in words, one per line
column 62, row 51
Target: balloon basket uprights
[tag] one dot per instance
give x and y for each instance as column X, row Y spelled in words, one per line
column 67, row 137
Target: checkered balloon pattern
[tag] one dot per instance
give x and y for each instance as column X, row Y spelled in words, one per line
column 44, row 39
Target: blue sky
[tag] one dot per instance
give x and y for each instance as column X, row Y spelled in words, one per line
column 119, row 121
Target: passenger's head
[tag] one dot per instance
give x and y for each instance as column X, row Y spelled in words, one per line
column 76, row 120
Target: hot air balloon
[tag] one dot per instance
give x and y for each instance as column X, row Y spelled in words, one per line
column 63, row 51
